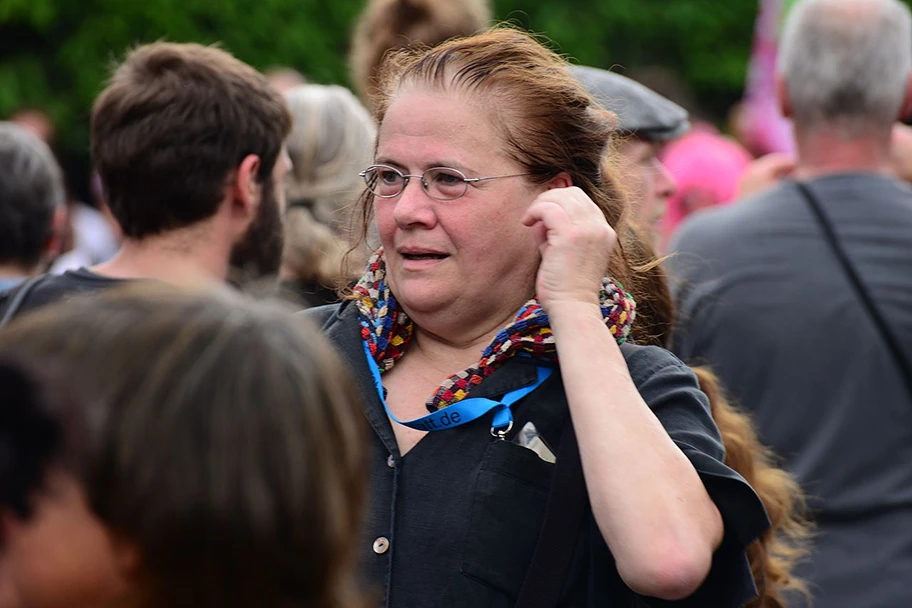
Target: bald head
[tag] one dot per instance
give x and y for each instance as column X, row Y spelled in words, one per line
column 846, row 63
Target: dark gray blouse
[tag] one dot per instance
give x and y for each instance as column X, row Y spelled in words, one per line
column 454, row 523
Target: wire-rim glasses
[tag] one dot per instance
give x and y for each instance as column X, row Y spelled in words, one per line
column 440, row 183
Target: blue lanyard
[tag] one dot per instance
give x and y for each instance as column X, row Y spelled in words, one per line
column 463, row 411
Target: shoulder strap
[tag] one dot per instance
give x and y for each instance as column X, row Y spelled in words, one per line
column 893, row 347
column 19, row 295
column 567, row 505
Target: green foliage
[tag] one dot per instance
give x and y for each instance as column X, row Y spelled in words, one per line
column 706, row 43
column 55, row 54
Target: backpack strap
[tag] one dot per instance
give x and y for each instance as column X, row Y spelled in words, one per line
column 19, row 296
column 864, row 295
column 568, row 502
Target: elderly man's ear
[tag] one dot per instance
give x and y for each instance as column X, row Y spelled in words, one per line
column 906, row 112
column 785, row 101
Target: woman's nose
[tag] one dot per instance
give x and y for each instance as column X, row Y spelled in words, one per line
column 413, row 206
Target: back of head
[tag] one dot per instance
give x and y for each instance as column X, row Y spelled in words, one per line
column 332, row 140
column 170, row 128
column 31, row 437
column 386, row 25
column 229, row 451
column 313, row 255
column 846, row 63
column 31, row 188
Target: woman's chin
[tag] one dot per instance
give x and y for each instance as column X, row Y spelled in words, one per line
column 426, row 298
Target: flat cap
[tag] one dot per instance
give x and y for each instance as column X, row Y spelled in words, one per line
column 640, row 111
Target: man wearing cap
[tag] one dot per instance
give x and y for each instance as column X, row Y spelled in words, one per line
column 649, row 121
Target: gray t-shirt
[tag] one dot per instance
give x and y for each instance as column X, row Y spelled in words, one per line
column 763, row 299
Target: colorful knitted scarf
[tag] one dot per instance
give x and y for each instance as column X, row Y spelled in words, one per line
column 387, row 330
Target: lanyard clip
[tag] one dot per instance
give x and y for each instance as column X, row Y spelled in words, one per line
column 501, row 432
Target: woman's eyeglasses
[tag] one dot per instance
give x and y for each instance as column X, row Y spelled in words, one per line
column 441, row 183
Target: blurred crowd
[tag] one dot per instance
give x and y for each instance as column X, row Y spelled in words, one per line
column 205, row 398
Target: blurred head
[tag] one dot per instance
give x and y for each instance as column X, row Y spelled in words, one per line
column 386, row 25
column 495, row 105
column 184, row 134
column 313, row 254
column 648, row 181
column 284, row 78
column 648, row 121
column 55, row 551
column 332, row 140
column 222, row 463
column 36, row 121
column 845, row 65
column 31, row 192
column 707, row 168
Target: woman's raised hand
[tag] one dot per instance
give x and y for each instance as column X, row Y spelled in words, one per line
column 576, row 244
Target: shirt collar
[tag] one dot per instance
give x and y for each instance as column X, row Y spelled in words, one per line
column 345, row 333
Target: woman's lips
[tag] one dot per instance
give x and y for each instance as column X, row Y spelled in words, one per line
column 420, row 261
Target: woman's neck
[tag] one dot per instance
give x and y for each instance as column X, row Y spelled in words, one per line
column 458, row 351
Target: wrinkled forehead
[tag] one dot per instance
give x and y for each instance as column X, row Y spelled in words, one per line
column 447, row 110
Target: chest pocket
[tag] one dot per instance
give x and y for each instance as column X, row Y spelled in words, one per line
column 509, row 500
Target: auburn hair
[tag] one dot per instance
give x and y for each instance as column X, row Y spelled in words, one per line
column 549, row 123
column 773, row 556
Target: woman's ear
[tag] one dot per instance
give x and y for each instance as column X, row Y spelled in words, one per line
column 906, row 111
column 782, row 93
column 561, row 180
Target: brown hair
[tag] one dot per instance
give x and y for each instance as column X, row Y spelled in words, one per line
column 36, row 403
column 386, row 25
column 229, row 449
column 170, row 128
column 773, row 556
column 549, row 123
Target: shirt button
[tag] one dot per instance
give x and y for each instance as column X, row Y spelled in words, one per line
column 391, row 462
column 381, row 545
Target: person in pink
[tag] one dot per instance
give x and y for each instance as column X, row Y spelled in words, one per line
column 707, row 168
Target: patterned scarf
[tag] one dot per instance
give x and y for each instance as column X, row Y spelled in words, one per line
column 387, row 330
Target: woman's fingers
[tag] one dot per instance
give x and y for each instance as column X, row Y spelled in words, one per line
column 572, row 202
column 576, row 243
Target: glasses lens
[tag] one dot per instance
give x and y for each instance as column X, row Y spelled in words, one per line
column 384, row 181
column 445, row 184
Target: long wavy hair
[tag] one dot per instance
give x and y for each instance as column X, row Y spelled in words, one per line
column 773, row 556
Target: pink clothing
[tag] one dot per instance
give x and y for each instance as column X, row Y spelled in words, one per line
column 763, row 128
column 707, row 168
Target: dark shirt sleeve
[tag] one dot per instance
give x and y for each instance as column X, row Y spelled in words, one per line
column 671, row 390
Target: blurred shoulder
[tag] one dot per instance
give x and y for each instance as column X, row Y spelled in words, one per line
column 322, row 316
column 727, row 224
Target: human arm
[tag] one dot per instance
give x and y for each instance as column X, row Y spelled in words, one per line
column 651, row 507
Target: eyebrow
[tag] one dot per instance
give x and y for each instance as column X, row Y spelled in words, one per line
column 449, row 164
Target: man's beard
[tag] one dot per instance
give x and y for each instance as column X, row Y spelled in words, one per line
column 259, row 252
